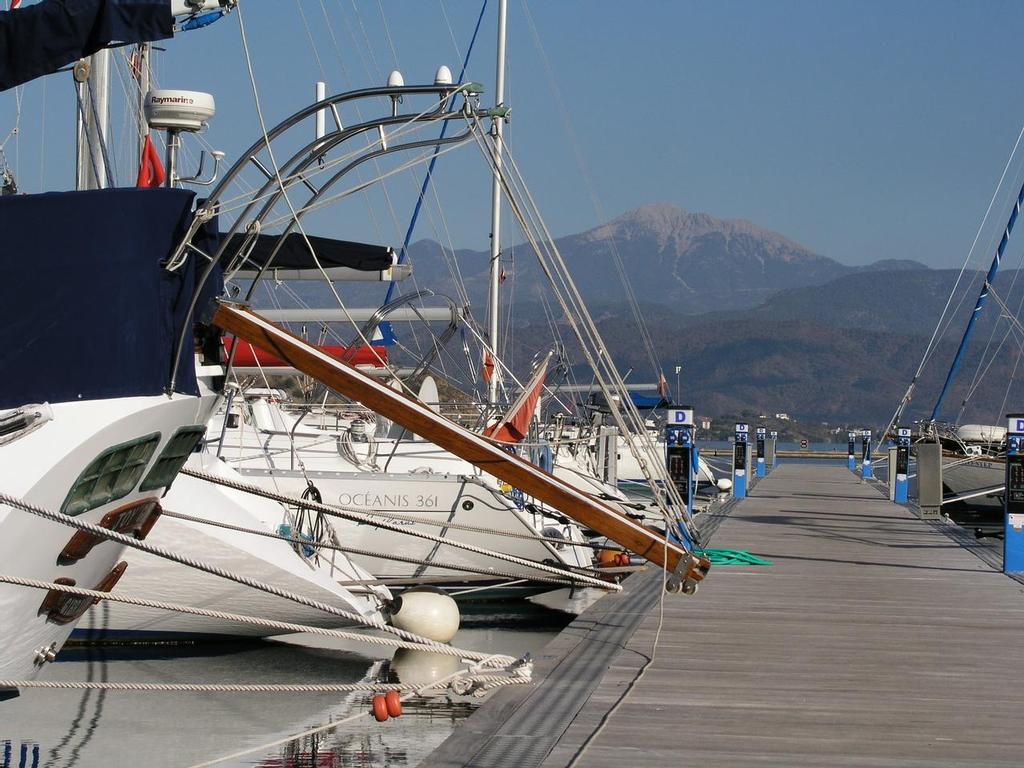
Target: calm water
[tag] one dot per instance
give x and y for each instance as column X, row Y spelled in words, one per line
column 98, row 728
column 838, row 448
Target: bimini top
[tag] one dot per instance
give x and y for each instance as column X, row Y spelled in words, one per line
column 88, row 311
column 39, row 39
column 294, row 254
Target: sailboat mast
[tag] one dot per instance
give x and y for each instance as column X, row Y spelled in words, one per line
column 91, row 166
column 496, row 129
column 989, row 278
column 143, row 72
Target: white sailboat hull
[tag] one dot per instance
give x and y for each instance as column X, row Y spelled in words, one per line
column 41, row 467
column 261, row 558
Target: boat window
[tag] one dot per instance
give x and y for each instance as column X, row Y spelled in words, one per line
column 110, row 476
column 172, row 458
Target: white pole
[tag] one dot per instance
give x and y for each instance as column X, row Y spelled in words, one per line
column 496, row 127
column 321, row 115
column 144, row 79
column 92, row 131
column 99, row 79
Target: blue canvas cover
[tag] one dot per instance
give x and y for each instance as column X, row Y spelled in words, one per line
column 39, row 39
column 649, row 402
column 88, row 310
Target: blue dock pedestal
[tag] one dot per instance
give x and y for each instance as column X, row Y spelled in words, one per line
column 739, row 462
column 851, row 453
column 899, row 494
column 759, row 448
column 1013, row 498
column 681, row 453
column 865, row 455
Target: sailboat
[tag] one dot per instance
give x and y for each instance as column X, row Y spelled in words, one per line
column 91, row 432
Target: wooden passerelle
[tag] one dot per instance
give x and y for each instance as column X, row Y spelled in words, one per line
column 686, row 568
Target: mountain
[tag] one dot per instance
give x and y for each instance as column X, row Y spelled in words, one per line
column 757, row 320
column 692, row 262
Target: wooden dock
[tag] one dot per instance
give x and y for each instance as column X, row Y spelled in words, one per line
column 873, row 639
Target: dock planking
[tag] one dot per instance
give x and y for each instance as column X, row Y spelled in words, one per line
column 874, row 639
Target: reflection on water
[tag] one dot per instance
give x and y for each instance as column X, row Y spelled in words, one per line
column 114, row 728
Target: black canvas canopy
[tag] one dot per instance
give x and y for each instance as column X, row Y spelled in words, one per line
column 294, row 254
column 39, row 39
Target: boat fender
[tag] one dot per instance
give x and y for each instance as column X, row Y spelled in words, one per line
column 426, row 611
column 394, row 703
column 379, row 707
column 608, row 558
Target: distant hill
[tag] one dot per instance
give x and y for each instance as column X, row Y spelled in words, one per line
column 693, row 262
column 757, row 320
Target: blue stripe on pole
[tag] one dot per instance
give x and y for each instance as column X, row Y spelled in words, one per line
column 989, row 278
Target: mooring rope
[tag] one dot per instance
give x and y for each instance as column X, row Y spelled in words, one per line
column 131, row 541
column 285, row 626
column 477, row 681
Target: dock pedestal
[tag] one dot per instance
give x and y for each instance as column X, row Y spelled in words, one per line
column 865, row 455
column 759, row 455
column 740, row 461
column 1013, row 498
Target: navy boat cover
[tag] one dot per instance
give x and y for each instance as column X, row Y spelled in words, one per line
column 294, row 254
column 88, row 310
column 39, row 39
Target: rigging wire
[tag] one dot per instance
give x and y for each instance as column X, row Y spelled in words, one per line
column 634, row 305
column 933, row 341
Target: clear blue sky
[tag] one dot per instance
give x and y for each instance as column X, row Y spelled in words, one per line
column 863, row 130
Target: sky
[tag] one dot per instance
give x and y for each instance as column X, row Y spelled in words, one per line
column 863, row 130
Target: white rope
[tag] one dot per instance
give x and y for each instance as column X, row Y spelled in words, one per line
column 131, row 541
column 453, row 679
column 85, row 685
column 284, row 626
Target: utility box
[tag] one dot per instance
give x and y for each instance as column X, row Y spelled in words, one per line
column 929, row 479
column 769, row 450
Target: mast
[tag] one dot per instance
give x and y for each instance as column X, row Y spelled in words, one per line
column 496, row 129
column 144, row 52
column 93, row 111
column 989, row 278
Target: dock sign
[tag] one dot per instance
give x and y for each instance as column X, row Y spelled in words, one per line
column 681, row 416
column 1015, row 424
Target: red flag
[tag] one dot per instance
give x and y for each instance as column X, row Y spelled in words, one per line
column 15, row 4
column 515, row 425
column 487, row 367
column 662, row 386
column 151, row 170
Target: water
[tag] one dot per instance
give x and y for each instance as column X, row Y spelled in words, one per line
column 838, row 448
column 112, row 728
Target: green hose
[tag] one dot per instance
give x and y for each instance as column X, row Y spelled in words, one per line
column 734, row 557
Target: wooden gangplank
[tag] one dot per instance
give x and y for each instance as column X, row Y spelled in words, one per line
column 873, row 640
column 685, row 568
